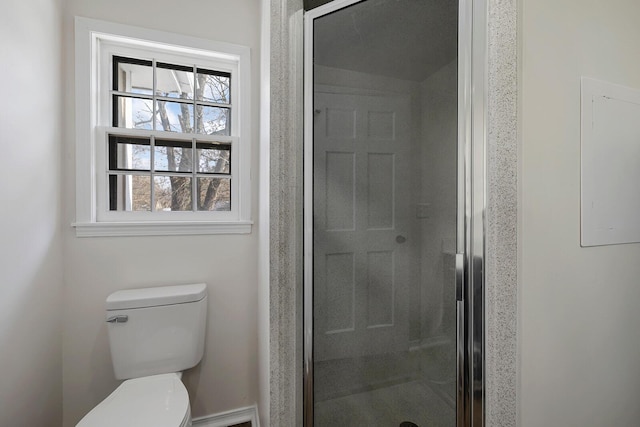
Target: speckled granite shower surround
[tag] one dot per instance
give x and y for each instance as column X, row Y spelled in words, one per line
column 501, row 259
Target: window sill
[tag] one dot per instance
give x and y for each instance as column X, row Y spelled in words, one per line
column 160, row 228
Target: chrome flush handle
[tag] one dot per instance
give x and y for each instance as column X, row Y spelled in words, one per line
column 121, row 318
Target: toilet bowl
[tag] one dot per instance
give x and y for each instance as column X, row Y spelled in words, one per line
column 155, row 401
column 154, row 334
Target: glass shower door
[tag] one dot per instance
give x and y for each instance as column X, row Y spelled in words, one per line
column 385, row 167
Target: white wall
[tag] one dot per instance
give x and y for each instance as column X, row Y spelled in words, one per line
column 30, row 243
column 578, row 334
column 94, row 267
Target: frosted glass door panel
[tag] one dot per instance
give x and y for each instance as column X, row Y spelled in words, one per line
column 355, row 215
column 384, row 214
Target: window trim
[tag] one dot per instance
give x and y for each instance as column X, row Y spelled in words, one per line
column 90, row 148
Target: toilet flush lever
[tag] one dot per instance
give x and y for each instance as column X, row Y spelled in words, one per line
column 121, row 318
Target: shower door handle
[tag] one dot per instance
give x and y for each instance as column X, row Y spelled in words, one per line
column 459, row 276
column 461, row 347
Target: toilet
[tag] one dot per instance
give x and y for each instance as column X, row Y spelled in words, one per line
column 154, row 335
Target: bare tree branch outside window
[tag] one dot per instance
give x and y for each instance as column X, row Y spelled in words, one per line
column 175, row 192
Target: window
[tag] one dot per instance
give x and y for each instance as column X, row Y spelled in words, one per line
column 162, row 137
column 182, row 172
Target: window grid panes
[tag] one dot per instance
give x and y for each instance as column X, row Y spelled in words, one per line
column 169, row 174
column 156, row 174
column 170, row 97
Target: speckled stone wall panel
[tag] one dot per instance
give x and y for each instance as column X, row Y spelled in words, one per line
column 501, row 233
column 286, row 216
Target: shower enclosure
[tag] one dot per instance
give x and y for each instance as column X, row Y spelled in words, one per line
column 393, row 282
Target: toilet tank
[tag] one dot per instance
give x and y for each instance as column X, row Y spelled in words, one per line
column 156, row 330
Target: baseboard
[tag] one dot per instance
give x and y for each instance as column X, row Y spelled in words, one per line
column 229, row 418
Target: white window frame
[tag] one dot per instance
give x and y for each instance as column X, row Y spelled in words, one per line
column 96, row 42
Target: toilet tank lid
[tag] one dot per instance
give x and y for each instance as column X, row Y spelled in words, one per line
column 157, row 296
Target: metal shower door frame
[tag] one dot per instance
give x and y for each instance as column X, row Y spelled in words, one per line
column 471, row 209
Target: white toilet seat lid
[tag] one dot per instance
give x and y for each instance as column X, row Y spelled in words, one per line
column 155, row 401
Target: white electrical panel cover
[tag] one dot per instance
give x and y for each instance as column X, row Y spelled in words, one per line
column 610, row 163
